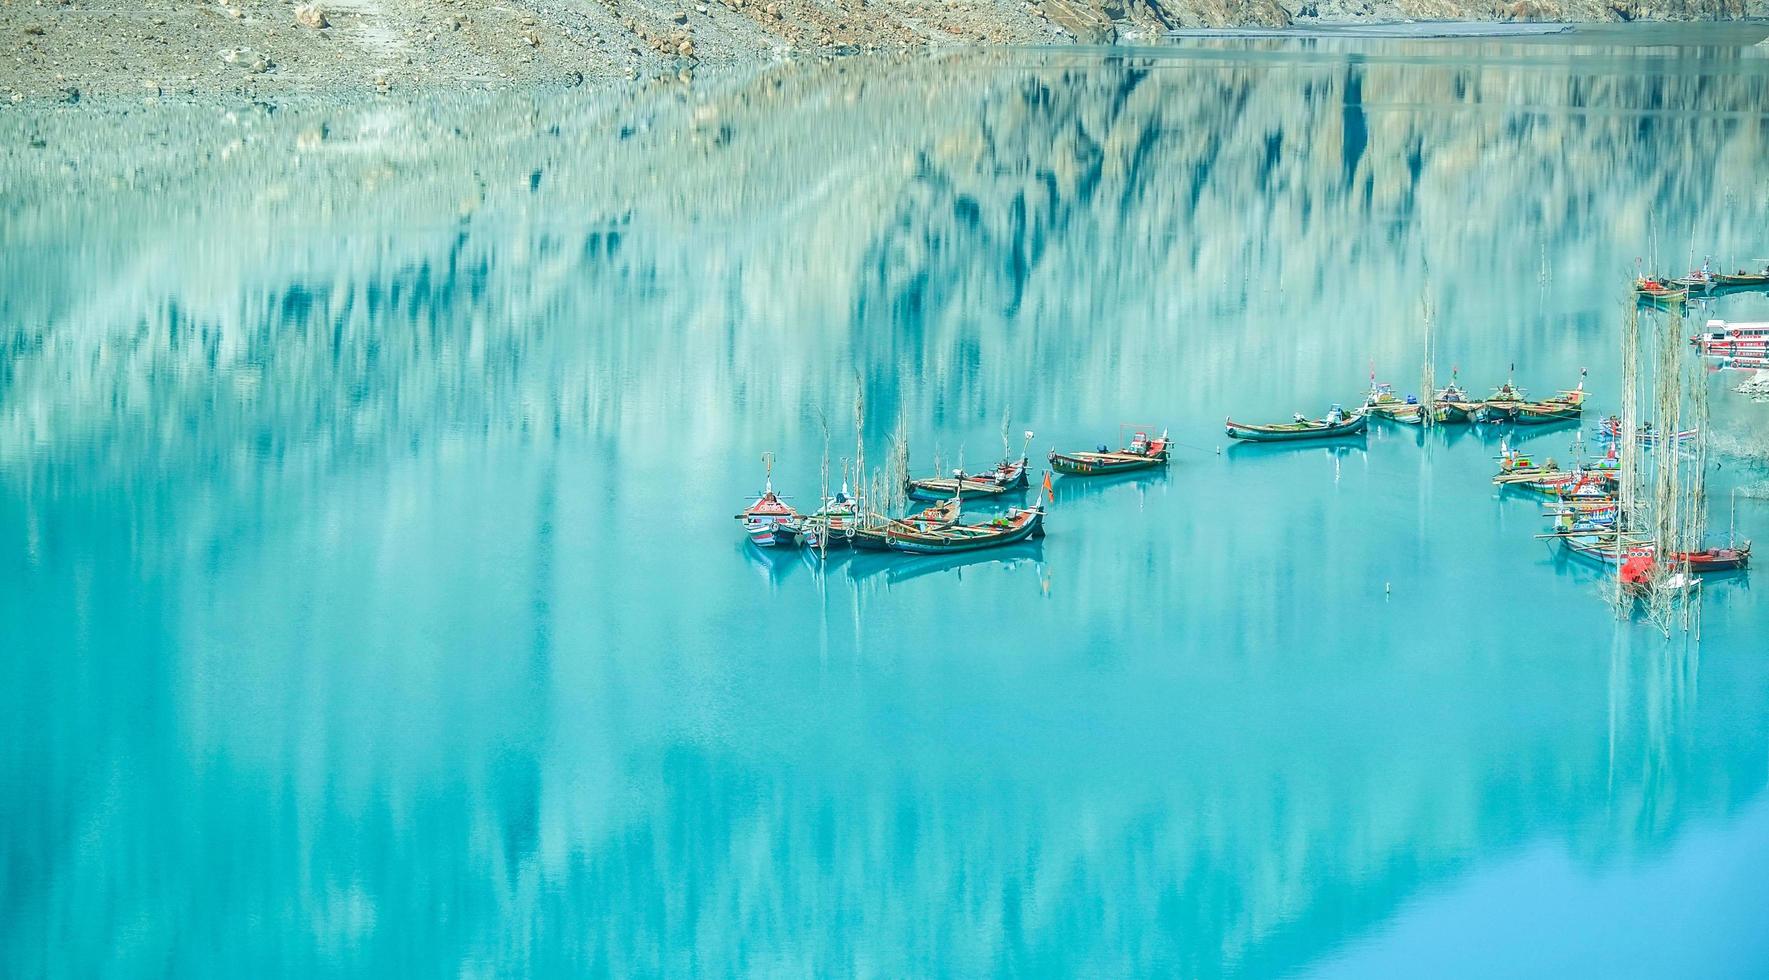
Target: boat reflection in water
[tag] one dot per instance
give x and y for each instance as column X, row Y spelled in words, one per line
column 323, row 610
column 897, row 569
column 1070, row 489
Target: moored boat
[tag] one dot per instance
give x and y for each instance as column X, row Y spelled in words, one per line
column 1382, row 401
column 1502, row 404
column 1007, row 476
column 1414, row 414
column 1453, row 402
column 1610, row 430
column 1605, row 548
column 1729, row 559
column 1565, row 407
column 770, row 522
column 1016, row 525
column 1652, row 290
column 833, row 525
column 871, row 537
column 1337, row 422
column 1516, row 466
column 1142, row 453
column 1742, row 279
column 944, row 487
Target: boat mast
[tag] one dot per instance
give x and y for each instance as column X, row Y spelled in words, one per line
column 1428, row 380
column 1628, row 499
column 864, row 499
column 823, row 500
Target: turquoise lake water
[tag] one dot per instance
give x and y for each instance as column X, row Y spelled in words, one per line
column 372, row 603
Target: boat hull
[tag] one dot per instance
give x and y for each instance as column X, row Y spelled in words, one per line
column 1602, row 549
column 1745, row 280
column 1099, row 464
column 1497, row 411
column 1538, row 415
column 774, row 534
column 1296, row 432
column 953, row 543
column 933, row 490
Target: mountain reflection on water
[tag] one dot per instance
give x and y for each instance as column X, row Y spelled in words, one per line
column 366, row 475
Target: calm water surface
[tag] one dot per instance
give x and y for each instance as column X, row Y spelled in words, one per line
column 372, row 605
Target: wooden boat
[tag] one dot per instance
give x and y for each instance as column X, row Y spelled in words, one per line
column 1516, row 466
column 873, row 538
column 1715, row 559
column 1381, row 400
column 1577, row 485
column 1742, row 279
column 1605, row 548
column 1142, row 453
column 1584, row 516
column 1454, row 403
column 1610, row 430
column 1697, row 281
column 1018, row 524
column 832, row 526
column 1007, row 476
column 1414, row 414
column 770, row 522
column 1651, row 290
column 1337, row 422
column 1502, row 404
column 1565, row 407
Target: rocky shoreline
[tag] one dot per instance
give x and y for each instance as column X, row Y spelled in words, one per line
column 70, row 50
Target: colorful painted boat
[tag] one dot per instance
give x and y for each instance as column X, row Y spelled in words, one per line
column 873, row 537
column 1716, row 559
column 1017, row 525
column 770, row 522
column 1007, row 477
column 1381, row 401
column 1336, row 423
column 1516, row 466
column 1502, row 404
column 1610, row 430
column 1650, row 290
column 1567, row 406
column 832, row 526
column 1604, row 548
column 1142, row 453
column 1415, row 415
column 1454, row 402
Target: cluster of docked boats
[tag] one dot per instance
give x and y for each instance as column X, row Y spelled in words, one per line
column 845, row 522
column 1586, row 516
column 1451, row 405
column 1663, row 290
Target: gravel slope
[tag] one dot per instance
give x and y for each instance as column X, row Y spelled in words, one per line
column 76, row 49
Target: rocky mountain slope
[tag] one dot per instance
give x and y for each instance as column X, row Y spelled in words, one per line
column 74, row 49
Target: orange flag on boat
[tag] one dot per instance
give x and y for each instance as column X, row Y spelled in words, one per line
column 1049, row 494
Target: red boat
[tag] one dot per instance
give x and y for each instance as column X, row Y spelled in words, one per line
column 1717, row 559
column 770, row 522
